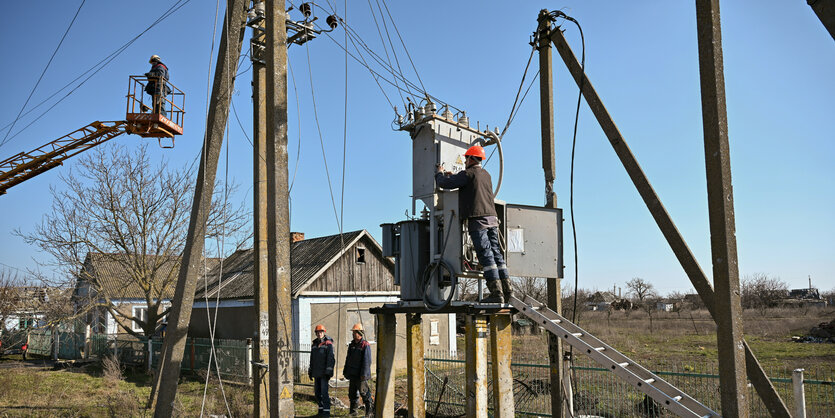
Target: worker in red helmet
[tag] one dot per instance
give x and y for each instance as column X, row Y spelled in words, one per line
column 320, row 371
column 475, row 204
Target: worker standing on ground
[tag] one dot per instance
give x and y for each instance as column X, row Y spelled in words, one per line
column 157, row 84
column 475, row 204
column 321, row 368
column 358, row 371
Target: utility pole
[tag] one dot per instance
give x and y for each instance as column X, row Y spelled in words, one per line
column 261, row 359
column 167, row 375
column 546, row 100
column 278, row 215
column 733, row 386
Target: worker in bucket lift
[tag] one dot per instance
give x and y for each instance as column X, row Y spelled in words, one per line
column 157, row 86
column 320, row 371
column 475, row 204
column 358, row 371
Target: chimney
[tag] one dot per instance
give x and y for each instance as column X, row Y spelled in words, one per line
column 296, row 237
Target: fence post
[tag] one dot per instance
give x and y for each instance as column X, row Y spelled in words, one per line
column 249, row 361
column 799, row 394
column 56, row 341
column 88, row 334
column 150, row 366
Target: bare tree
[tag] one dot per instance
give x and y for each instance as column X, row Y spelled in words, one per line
column 761, row 291
column 641, row 289
column 120, row 206
column 678, row 300
column 535, row 287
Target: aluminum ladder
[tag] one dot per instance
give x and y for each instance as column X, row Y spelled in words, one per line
column 667, row 395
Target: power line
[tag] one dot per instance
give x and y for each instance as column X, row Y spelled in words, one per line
column 5, row 138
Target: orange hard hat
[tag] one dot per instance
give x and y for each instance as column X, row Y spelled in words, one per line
column 357, row 327
column 475, row 151
column 319, row 327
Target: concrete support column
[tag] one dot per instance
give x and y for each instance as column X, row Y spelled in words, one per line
column 414, row 358
column 386, row 346
column 476, row 341
column 501, row 349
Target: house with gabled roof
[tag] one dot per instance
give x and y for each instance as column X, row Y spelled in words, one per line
column 335, row 280
column 111, row 289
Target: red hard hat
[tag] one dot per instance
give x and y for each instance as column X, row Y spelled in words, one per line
column 319, row 327
column 475, row 151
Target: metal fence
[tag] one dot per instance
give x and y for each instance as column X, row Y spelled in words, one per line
column 599, row 392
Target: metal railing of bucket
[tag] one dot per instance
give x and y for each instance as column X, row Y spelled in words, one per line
column 599, row 392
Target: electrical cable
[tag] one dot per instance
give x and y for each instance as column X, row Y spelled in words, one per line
column 221, row 238
column 404, row 47
column 321, row 139
column 61, row 42
column 374, row 15
column 429, row 270
column 571, row 181
column 95, row 69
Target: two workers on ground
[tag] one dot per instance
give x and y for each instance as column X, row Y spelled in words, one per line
column 357, row 370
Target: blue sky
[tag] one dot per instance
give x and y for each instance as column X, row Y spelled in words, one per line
column 640, row 56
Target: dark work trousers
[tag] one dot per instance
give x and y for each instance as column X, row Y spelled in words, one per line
column 359, row 388
column 320, row 386
column 489, row 253
column 159, row 104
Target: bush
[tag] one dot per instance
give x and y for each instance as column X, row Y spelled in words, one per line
column 111, row 369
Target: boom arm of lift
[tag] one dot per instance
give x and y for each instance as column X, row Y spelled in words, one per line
column 25, row 165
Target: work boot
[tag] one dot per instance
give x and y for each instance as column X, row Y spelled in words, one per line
column 495, row 295
column 369, row 410
column 507, row 290
column 353, row 410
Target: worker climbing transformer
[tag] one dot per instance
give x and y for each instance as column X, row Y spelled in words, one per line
column 434, row 251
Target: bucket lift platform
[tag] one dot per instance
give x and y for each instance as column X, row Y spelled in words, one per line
column 140, row 119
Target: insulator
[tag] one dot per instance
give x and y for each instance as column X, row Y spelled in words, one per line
column 447, row 114
column 332, row 21
column 306, row 9
column 464, row 120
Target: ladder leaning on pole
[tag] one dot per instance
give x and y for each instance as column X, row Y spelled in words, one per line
column 640, row 378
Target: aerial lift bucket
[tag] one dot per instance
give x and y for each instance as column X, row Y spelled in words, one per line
column 154, row 116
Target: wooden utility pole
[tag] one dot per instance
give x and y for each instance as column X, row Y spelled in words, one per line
column 770, row 397
column 168, row 372
column 733, row 385
column 278, row 215
column 260, row 382
column 546, row 100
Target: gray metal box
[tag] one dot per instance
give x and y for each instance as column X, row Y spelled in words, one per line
column 534, row 241
column 437, row 141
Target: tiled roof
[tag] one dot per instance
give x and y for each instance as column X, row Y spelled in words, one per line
column 113, row 274
column 307, row 259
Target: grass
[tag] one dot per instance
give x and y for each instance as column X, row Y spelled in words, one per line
column 677, row 342
column 681, row 339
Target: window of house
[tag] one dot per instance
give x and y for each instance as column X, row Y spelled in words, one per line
column 434, row 334
column 140, row 312
column 360, row 255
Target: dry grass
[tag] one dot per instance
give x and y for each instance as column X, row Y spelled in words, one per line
column 111, row 369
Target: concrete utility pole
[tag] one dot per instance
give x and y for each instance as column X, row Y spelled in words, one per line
column 168, row 372
column 278, row 215
column 720, row 201
column 260, row 382
column 546, row 100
